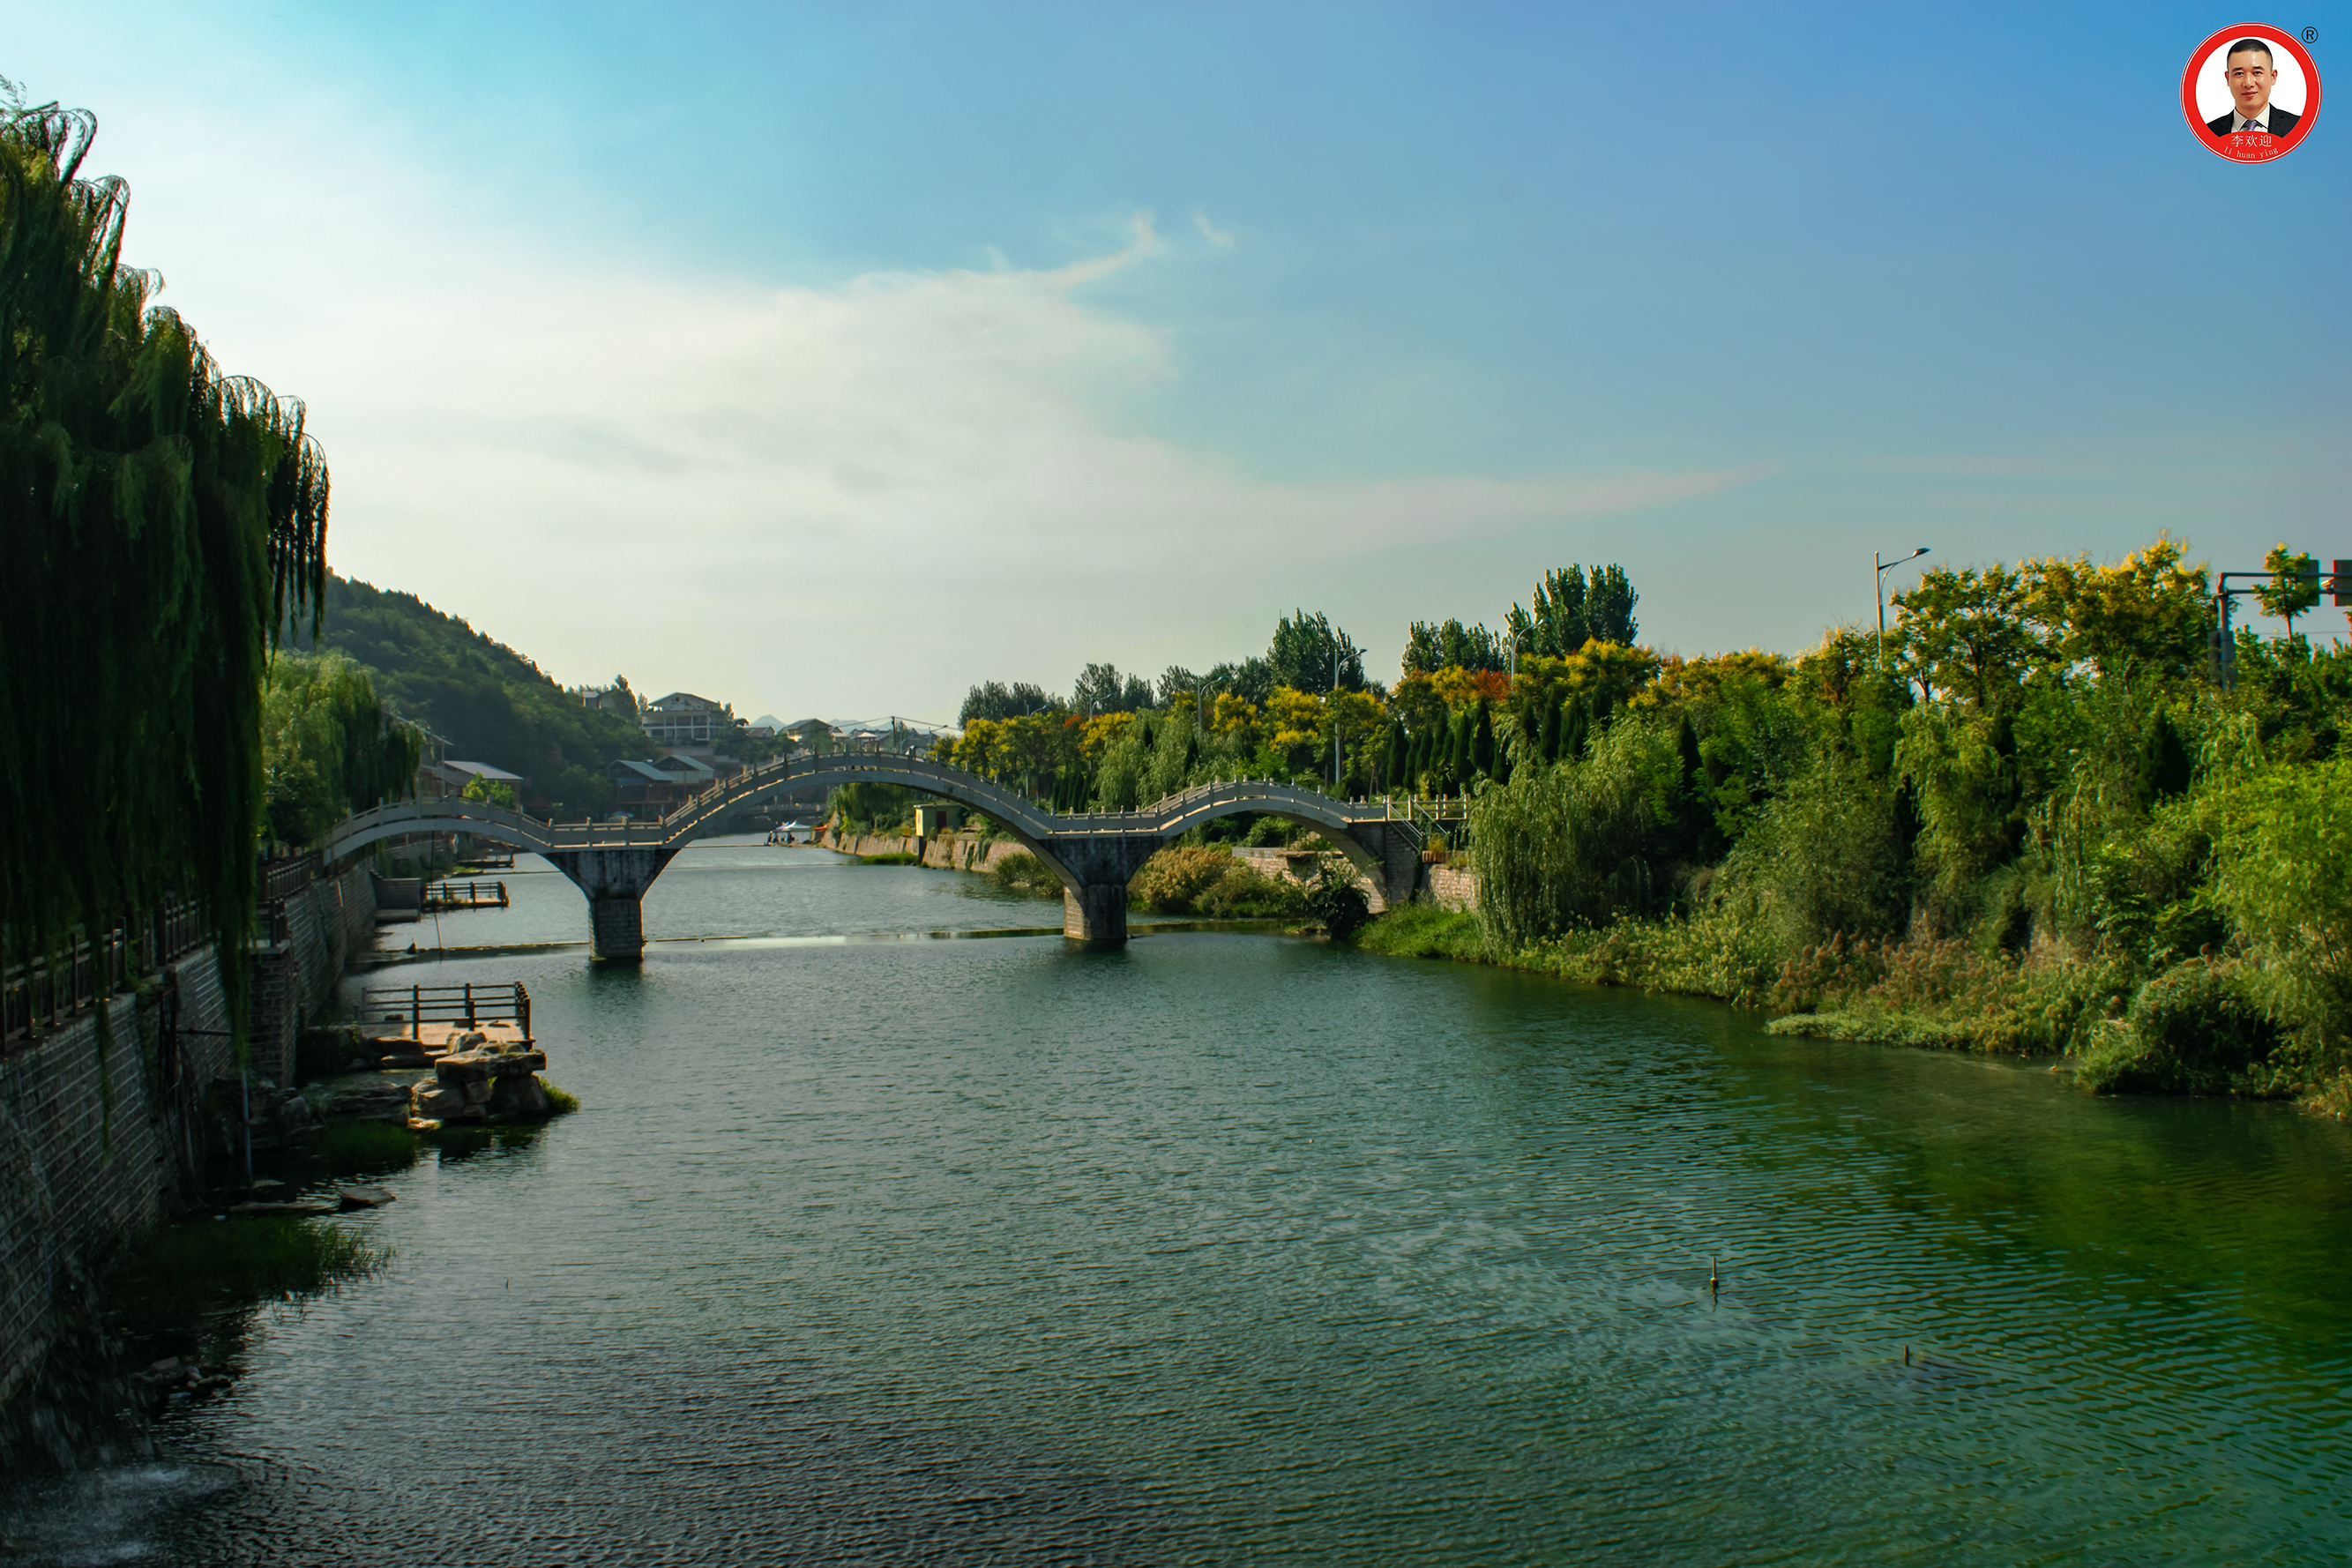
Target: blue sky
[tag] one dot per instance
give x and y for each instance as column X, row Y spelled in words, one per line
column 832, row 358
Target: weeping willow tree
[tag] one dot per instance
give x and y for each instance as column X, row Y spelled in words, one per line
column 1579, row 843
column 158, row 520
column 329, row 746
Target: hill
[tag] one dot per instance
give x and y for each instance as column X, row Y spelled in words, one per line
column 488, row 701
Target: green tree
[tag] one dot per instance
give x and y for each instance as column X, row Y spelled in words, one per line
column 2295, row 588
column 159, row 519
column 1969, row 635
column 1307, row 650
column 329, row 746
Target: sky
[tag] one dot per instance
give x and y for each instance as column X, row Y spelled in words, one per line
column 831, row 359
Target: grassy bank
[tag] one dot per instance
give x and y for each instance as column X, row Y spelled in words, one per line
column 2194, row 1028
column 178, row 1275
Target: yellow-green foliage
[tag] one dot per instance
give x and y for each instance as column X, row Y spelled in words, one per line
column 1212, row 883
column 1024, row 873
column 560, row 1101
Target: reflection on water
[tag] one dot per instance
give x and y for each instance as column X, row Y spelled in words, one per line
column 1231, row 1247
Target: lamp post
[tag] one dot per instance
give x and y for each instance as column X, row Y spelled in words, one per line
column 1335, row 715
column 1878, row 587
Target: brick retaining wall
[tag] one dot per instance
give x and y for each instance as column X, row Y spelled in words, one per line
column 95, row 1146
column 1452, row 887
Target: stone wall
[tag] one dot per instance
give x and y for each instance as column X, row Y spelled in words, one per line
column 1452, row 887
column 949, row 852
column 97, row 1142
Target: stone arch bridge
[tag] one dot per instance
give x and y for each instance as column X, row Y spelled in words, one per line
column 1093, row 853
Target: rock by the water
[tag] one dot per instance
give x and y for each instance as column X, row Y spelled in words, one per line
column 479, row 1065
column 519, row 1097
column 381, row 1099
column 275, row 1211
column 428, row 1099
column 365, row 1197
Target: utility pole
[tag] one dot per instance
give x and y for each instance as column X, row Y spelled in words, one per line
column 1878, row 588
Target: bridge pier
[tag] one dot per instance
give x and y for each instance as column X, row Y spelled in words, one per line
column 615, row 881
column 1097, row 912
column 616, row 929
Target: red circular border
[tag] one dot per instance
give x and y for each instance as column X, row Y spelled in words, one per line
column 2269, row 34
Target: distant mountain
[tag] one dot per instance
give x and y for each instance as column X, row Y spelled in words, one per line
column 488, row 701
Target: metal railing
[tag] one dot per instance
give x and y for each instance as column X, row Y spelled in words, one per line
column 972, row 790
column 471, row 1005
column 464, row 896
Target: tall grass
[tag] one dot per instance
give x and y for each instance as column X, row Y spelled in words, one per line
column 353, row 1147
column 177, row 1273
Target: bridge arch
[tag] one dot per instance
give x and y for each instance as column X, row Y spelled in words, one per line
column 1027, row 823
column 402, row 818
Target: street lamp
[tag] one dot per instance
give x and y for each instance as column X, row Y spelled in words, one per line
column 1878, row 586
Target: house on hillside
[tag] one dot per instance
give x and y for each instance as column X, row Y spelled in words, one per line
column 642, row 789
column 455, row 775
column 616, row 699
column 682, row 721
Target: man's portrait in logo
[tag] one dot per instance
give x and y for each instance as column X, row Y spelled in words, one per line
column 2251, row 93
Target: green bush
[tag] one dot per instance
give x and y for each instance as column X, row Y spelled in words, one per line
column 1829, row 859
column 2194, row 1029
column 560, row 1101
column 1024, row 873
column 1337, row 901
column 1211, row 883
column 2284, row 876
column 324, row 1051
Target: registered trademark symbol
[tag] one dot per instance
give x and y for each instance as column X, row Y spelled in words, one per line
column 2311, row 35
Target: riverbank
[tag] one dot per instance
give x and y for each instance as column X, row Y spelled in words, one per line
column 2188, row 1030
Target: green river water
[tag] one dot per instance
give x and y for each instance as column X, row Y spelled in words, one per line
column 1229, row 1247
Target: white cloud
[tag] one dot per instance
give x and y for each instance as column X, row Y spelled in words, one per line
column 1210, row 232
column 854, row 497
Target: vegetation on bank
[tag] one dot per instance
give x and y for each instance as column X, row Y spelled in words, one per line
column 179, row 1274
column 2037, row 823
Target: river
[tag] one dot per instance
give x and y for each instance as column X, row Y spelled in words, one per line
column 869, row 1246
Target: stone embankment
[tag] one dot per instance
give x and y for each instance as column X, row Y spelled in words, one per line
column 947, row 852
column 103, row 1133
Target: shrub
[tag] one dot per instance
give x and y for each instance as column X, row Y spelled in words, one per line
column 324, row 1051
column 2194, row 1029
column 1189, row 881
column 1830, row 859
column 1337, row 901
column 1024, row 873
column 560, row 1101
column 2284, row 875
